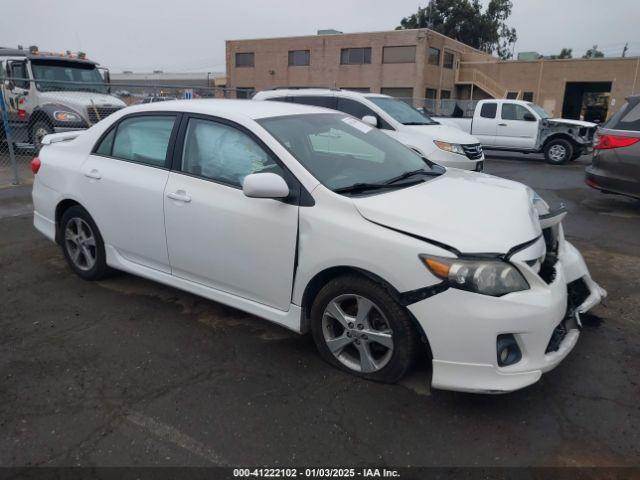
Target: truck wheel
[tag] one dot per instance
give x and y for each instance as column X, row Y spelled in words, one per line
column 39, row 129
column 558, row 151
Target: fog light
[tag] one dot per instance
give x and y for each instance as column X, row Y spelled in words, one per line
column 507, row 350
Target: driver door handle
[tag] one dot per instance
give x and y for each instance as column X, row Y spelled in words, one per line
column 502, row 124
column 95, row 174
column 179, row 196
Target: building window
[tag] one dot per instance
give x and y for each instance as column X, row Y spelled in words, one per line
column 445, row 94
column 434, row 56
column 512, row 95
column 244, row 92
column 299, row 58
column 355, row 56
column 404, row 54
column 448, row 60
column 527, row 96
column 244, row 59
column 431, row 94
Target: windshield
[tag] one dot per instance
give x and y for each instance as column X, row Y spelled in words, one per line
column 341, row 151
column 55, row 75
column 402, row 112
column 539, row 110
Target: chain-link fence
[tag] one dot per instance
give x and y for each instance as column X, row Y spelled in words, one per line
column 32, row 109
column 29, row 110
column 449, row 107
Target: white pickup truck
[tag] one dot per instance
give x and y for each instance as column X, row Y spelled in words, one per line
column 518, row 126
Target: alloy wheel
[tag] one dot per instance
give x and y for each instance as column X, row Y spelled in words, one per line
column 80, row 243
column 357, row 333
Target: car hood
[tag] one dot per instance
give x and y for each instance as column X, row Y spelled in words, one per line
column 443, row 133
column 79, row 101
column 577, row 123
column 471, row 212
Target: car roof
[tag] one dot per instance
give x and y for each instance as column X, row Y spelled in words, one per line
column 329, row 92
column 244, row 108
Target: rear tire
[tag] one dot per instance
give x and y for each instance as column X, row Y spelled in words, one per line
column 359, row 328
column 82, row 244
column 558, row 151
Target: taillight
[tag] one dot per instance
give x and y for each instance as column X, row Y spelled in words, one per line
column 22, row 113
column 606, row 142
column 35, row 165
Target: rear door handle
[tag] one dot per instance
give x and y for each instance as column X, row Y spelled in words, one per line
column 179, row 196
column 95, row 174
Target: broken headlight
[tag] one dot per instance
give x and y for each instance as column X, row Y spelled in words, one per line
column 488, row 277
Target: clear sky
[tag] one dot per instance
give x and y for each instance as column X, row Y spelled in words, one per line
column 189, row 35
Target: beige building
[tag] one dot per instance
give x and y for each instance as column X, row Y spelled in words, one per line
column 423, row 64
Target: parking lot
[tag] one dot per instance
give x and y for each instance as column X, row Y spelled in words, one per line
column 128, row 372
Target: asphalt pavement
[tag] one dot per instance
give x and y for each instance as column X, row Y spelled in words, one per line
column 128, row 372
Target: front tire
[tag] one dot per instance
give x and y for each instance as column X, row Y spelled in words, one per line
column 39, row 130
column 82, row 244
column 358, row 327
column 558, row 151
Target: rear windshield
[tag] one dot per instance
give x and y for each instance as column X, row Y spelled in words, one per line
column 627, row 118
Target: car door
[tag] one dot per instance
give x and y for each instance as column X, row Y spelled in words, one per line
column 123, row 183
column 485, row 123
column 514, row 131
column 216, row 235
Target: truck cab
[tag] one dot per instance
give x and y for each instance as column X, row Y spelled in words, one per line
column 47, row 93
column 519, row 126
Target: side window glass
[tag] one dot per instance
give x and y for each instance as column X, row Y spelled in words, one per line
column 359, row 110
column 319, row 101
column 106, row 144
column 488, row 110
column 223, row 153
column 18, row 70
column 144, row 139
column 512, row 111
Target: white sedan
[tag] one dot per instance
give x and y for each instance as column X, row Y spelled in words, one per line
column 314, row 220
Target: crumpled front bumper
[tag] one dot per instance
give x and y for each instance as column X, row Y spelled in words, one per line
column 462, row 329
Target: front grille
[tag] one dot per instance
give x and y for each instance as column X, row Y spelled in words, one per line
column 95, row 113
column 473, row 152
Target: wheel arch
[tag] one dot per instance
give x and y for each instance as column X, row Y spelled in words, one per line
column 62, row 207
column 323, row 277
column 560, row 135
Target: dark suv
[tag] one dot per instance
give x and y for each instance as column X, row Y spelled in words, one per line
column 615, row 167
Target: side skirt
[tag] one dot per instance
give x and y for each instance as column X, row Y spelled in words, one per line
column 289, row 319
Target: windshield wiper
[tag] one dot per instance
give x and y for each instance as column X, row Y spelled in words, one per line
column 405, row 175
column 362, row 187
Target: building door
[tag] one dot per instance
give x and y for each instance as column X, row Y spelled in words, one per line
column 586, row 101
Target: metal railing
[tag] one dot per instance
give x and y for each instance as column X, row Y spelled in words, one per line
column 30, row 109
column 482, row 80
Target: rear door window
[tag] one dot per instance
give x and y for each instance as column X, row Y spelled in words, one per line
column 144, row 139
column 317, row 101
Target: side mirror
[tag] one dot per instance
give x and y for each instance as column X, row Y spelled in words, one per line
column 265, row 185
column 370, row 120
column 528, row 117
column 9, row 85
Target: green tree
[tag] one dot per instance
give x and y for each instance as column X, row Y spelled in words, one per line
column 566, row 53
column 593, row 52
column 465, row 21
